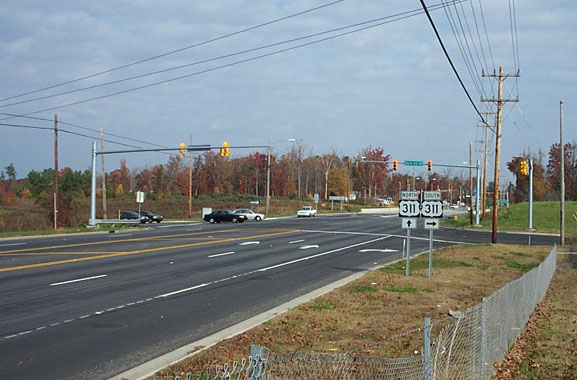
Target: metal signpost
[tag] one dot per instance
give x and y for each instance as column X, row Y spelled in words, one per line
column 409, row 207
column 432, row 208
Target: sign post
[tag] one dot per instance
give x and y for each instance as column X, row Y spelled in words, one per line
column 409, row 207
column 139, row 200
column 432, row 208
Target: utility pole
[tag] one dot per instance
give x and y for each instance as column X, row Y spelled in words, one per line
column 267, row 202
column 501, row 77
column 562, row 164
column 190, row 181
column 103, row 177
column 55, row 171
column 485, row 163
column 471, row 183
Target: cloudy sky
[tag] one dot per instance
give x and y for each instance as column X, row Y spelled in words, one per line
column 336, row 76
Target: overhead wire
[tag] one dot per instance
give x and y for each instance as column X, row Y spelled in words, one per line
column 230, row 55
column 451, row 61
column 463, row 22
column 460, row 45
column 388, row 19
column 85, row 128
column 66, row 131
column 173, row 51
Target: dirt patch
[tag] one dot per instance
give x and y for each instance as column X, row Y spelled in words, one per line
column 376, row 314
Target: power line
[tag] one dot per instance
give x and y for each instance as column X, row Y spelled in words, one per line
column 450, row 61
column 173, row 51
column 81, row 127
column 389, row 19
column 215, row 58
column 65, row 131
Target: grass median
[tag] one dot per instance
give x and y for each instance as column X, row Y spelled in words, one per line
column 373, row 315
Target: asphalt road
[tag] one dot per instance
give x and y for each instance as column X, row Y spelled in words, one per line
column 92, row 306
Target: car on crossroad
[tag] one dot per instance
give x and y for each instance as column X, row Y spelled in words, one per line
column 151, row 217
column 307, row 211
column 219, row 216
column 133, row 217
column 250, row 215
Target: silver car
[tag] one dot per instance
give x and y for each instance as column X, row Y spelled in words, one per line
column 251, row 215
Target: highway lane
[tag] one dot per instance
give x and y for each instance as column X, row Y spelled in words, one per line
column 93, row 306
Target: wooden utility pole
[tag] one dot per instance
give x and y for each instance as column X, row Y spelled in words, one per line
column 471, row 183
column 103, row 176
column 55, row 171
column 190, row 181
column 500, row 77
column 562, row 174
column 485, row 164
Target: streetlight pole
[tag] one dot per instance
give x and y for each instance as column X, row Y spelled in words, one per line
column 268, row 177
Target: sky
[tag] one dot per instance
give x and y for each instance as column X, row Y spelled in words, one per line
column 388, row 85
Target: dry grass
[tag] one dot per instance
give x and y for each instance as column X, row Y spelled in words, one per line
column 548, row 347
column 367, row 314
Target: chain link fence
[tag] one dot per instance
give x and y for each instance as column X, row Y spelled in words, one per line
column 466, row 346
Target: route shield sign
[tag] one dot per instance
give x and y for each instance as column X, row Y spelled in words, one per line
column 431, row 209
column 409, row 208
column 409, row 223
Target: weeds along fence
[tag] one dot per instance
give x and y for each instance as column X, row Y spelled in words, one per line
column 467, row 346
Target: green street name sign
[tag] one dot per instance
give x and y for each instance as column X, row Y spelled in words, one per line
column 413, row 163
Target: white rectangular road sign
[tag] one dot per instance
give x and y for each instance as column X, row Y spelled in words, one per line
column 409, row 208
column 431, row 224
column 432, row 209
column 409, row 196
column 409, row 223
column 431, row 195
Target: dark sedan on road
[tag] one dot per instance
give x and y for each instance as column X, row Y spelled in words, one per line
column 133, row 217
column 152, row 217
column 224, row 216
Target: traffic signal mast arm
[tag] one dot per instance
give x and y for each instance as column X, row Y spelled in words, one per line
column 194, row 148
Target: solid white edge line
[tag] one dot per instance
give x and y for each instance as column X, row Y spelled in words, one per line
column 221, row 254
column 78, row 280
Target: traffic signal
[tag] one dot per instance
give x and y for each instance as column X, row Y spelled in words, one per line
column 182, row 149
column 395, row 167
column 430, row 165
column 524, row 168
column 225, row 150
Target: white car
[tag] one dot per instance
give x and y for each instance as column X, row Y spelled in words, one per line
column 251, row 215
column 307, row 211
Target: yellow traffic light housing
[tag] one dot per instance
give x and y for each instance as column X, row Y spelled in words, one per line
column 395, row 167
column 430, row 165
column 182, row 149
column 225, row 150
column 524, row 170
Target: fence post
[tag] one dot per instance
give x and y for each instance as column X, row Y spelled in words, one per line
column 258, row 362
column 483, row 338
column 427, row 350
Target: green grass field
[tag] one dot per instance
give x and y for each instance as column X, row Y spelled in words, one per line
column 546, row 217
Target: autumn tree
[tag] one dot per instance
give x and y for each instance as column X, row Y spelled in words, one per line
column 554, row 169
column 120, row 177
column 371, row 175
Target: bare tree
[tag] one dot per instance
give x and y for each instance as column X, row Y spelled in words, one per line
column 327, row 162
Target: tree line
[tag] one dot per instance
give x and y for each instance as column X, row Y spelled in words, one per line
column 297, row 174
